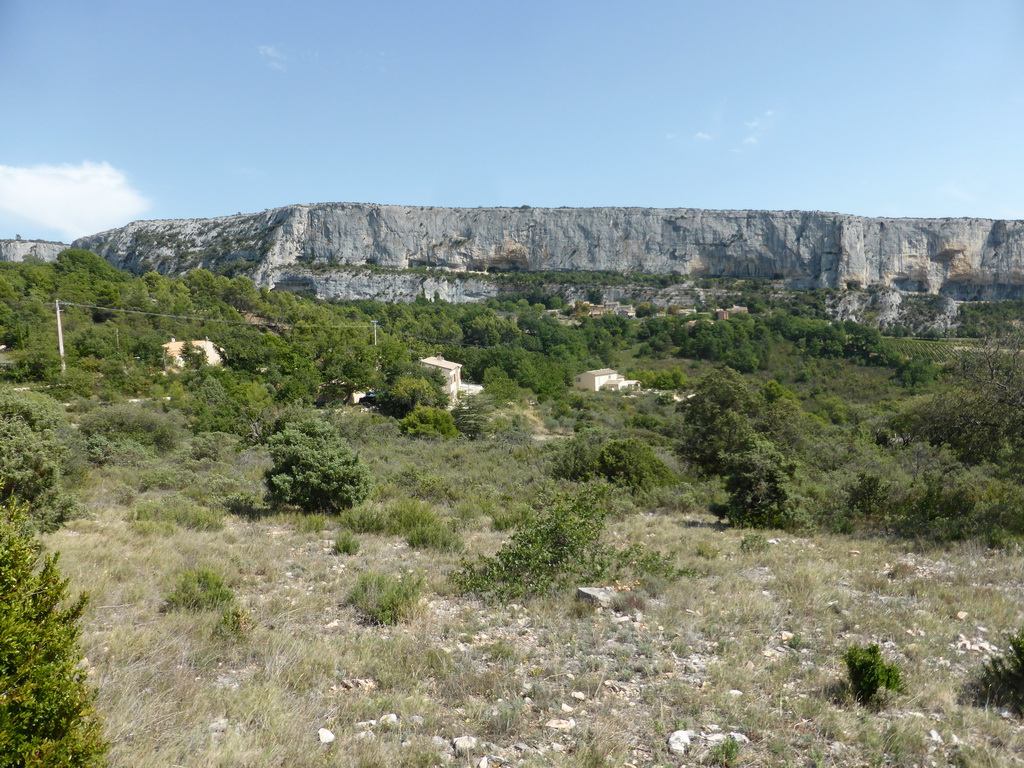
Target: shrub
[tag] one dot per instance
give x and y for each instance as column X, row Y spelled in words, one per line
column 630, row 463
column 46, row 709
column 753, row 544
column 199, row 589
column 235, row 623
column 429, row 422
column 384, row 599
column 868, row 673
column 243, row 504
column 119, row 423
column 725, row 754
column 559, row 547
column 1002, row 679
column 212, row 446
column 310, row 524
column 346, row 544
column 437, row 535
column 315, row 469
column 33, row 455
column 759, row 486
column 633, row 464
column 472, row 415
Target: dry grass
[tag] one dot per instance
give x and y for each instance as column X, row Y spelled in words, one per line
column 770, row 625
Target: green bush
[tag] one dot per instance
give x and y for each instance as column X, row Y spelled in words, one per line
column 46, row 708
column 753, row 544
column 725, row 754
column 315, row 469
column 310, row 524
column 425, row 421
column 243, row 504
column 101, row 450
column 385, row 599
column 1002, row 678
column 34, row 455
column 868, row 673
column 472, row 415
column 234, row 623
column 559, row 547
column 437, row 535
column 119, row 423
column 199, row 589
column 345, row 543
column 367, row 518
column 760, row 488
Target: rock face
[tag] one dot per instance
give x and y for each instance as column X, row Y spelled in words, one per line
column 312, row 245
column 18, row 250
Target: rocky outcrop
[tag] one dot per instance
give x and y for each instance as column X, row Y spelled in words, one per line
column 19, row 250
column 959, row 258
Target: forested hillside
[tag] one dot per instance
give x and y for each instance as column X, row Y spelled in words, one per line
column 266, row 560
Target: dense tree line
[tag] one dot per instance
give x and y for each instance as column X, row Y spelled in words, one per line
column 783, row 383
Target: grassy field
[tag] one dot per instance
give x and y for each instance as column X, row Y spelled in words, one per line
column 750, row 643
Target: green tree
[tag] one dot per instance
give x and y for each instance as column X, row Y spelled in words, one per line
column 429, row 422
column 472, row 415
column 47, row 718
column 632, row 463
column 717, row 421
column 34, row 438
column 407, row 392
column 760, row 492
column 315, row 469
column 499, row 386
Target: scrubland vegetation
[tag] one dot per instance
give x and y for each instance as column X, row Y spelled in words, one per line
column 811, row 533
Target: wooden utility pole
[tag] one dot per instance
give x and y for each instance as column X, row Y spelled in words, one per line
column 60, row 339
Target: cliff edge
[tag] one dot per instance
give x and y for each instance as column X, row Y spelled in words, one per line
column 19, row 250
column 964, row 259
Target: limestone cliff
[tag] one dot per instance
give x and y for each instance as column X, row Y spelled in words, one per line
column 304, row 245
column 19, row 250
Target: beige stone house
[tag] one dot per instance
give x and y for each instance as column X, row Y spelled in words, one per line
column 452, row 373
column 603, row 378
column 174, row 352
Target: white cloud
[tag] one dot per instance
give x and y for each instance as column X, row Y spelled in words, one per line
column 758, row 126
column 702, row 136
column 75, row 200
column 273, row 57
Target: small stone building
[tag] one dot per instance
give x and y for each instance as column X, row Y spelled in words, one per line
column 452, row 373
column 174, row 352
column 603, row 378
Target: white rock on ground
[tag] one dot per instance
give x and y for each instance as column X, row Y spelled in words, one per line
column 599, row 596
column 325, row 736
column 679, row 742
column 463, row 745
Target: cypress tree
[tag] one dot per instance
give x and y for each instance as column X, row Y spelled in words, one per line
column 47, row 718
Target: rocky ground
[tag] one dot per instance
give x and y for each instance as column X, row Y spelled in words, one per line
column 738, row 664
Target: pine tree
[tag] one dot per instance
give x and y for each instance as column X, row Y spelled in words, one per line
column 46, row 708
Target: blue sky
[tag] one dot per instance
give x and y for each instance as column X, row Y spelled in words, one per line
column 116, row 110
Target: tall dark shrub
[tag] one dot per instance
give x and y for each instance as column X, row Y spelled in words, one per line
column 46, row 708
column 315, row 469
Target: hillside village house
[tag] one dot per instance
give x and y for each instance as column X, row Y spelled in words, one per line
column 174, row 352
column 604, row 378
column 452, row 373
